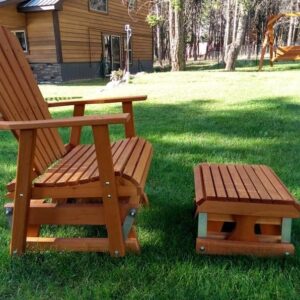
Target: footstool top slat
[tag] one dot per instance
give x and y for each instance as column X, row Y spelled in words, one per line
column 267, row 184
column 253, row 194
column 230, row 188
column 258, row 185
column 243, row 183
column 279, row 186
column 218, row 182
column 238, row 184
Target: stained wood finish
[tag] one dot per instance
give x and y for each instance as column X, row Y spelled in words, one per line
column 82, row 30
column 129, row 127
column 112, row 175
column 78, row 245
column 11, row 19
column 289, row 53
column 74, row 34
column 21, row 100
column 41, row 37
column 250, row 209
column 243, row 183
column 247, row 196
column 98, row 101
column 70, row 214
column 281, row 53
column 80, row 164
column 76, row 131
column 27, row 142
column 75, row 121
column 108, row 183
column 213, row 246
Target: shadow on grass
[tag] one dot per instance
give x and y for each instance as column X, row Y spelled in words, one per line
column 243, row 66
column 204, row 66
column 258, row 131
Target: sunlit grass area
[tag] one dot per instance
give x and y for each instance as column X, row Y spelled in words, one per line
column 201, row 115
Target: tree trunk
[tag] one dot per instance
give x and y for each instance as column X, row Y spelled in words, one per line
column 227, row 31
column 194, row 35
column 158, row 37
column 291, row 29
column 177, row 42
column 235, row 47
column 209, row 41
column 195, row 48
column 235, row 20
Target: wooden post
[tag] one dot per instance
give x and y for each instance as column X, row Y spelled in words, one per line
column 108, row 183
column 27, row 141
column 263, row 51
column 244, row 229
column 129, row 126
column 76, row 131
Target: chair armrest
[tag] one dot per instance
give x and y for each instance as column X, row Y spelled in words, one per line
column 66, row 122
column 97, row 101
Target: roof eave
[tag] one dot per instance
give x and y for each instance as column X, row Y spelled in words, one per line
column 57, row 6
column 10, row 2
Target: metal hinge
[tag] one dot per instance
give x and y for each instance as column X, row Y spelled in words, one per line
column 128, row 222
column 9, row 214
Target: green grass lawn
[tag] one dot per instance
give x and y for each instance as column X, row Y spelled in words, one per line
column 201, row 115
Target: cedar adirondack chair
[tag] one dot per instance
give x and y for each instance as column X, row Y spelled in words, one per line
column 108, row 178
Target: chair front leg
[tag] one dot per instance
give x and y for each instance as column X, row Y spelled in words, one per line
column 108, row 183
column 129, row 126
column 27, row 141
column 76, row 131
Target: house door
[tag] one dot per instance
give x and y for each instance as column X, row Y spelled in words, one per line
column 112, row 53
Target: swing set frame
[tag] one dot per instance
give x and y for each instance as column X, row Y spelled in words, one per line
column 288, row 53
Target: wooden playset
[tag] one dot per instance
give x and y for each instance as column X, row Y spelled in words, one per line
column 100, row 184
column 281, row 53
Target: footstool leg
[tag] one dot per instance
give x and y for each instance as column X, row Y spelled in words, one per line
column 286, row 230
column 202, row 225
column 244, row 229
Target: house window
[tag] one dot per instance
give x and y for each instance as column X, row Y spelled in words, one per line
column 21, row 36
column 132, row 4
column 111, row 53
column 98, row 5
column 129, row 49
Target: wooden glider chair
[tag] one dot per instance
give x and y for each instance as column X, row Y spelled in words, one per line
column 108, row 178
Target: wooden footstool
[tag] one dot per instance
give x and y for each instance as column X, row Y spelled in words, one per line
column 243, row 209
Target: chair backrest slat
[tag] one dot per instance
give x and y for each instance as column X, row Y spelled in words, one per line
column 21, row 99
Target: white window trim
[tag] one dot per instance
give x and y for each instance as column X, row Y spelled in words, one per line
column 26, row 43
column 99, row 11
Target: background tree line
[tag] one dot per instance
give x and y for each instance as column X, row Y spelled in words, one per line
column 228, row 28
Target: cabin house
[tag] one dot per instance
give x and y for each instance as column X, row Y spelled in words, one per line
column 78, row 39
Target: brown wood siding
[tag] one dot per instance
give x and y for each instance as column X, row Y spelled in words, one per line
column 41, row 39
column 81, row 30
column 10, row 18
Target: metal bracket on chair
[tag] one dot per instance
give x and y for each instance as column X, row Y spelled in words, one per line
column 202, row 225
column 128, row 222
column 286, row 230
column 9, row 214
